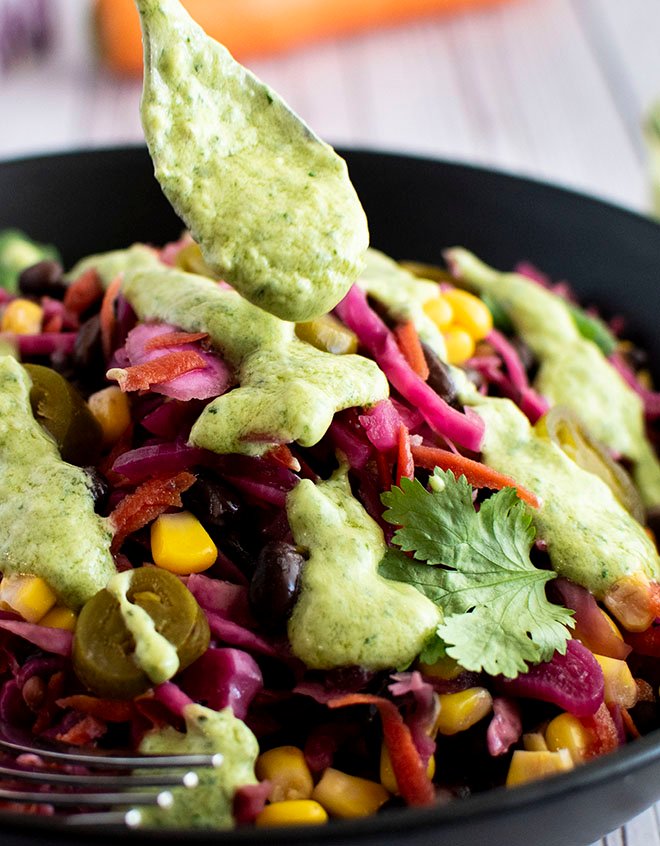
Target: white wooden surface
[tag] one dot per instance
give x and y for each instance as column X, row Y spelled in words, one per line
column 550, row 88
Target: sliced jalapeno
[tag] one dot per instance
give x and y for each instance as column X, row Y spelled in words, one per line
column 328, row 334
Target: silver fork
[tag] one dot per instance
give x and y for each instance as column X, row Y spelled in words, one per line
column 99, row 787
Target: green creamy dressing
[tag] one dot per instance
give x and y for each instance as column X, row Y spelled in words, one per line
column 347, row 614
column 404, row 295
column 154, row 654
column 288, row 390
column 573, row 371
column 209, row 805
column 270, row 204
column 591, row 538
column 46, row 505
column 110, row 265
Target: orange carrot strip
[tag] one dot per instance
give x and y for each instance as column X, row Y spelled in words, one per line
column 282, row 455
column 405, row 466
column 107, row 315
column 411, row 347
column 477, row 474
column 110, row 710
column 83, row 293
column 147, row 502
column 605, row 737
column 174, row 339
column 629, row 724
column 384, row 472
column 140, row 377
column 414, row 784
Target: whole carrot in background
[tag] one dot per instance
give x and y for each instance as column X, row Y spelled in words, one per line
column 257, row 27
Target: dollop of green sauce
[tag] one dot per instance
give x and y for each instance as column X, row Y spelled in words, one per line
column 209, row 805
column 46, row 505
column 404, row 295
column 115, row 263
column 573, row 371
column 270, row 204
column 590, row 537
column 288, row 390
column 347, row 614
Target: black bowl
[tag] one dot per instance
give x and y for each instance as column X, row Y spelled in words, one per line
column 92, row 201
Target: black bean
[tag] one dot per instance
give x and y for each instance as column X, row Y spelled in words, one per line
column 88, row 358
column 439, row 376
column 213, row 503
column 44, row 279
column 100, row 488
column 276, row 583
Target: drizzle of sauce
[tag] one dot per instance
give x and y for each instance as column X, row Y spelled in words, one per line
column 270, row 204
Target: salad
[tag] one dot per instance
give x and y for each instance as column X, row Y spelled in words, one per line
column 268, row 493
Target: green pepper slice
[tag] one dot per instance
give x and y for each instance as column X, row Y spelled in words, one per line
column 104, row 648
column 63, row 412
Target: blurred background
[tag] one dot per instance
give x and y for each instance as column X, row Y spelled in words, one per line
column 556, row 89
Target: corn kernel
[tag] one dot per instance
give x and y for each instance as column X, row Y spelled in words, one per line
column 629, row 599
column 530, row 766
column 60, row 617
column 346, row 796
column 180, row 544
column 294, row 812
column 112, row 411
column 620, row 687
column 610, row 622
column 459, row 343
column 446, row 668
column 567, row 732
column 22, row 317
column 534, row 741
column 470, row 313
column 286, row 769
column 440, row 312
column 387, row 777
column 29, row 596
column 459, row 711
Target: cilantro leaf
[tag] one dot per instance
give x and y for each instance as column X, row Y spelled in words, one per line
column 434, row 650
column 497, row 617
column 594, row 329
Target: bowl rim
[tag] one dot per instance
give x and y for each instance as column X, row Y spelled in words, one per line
column 635, row 756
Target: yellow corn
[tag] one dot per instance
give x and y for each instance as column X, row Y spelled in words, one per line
column 610, row 622
column 567, row 732
column 440, row 312
column 180, row 544
column 534, row 742
column 620, row 687
column 530, row 766
column 112, row 411
column 346, row 796
column 22, row 317
column 629, row 600
column 446, row 668
column 326, row 333
column 29, row 596
column 387, row 777
column 287, row 771
column 295, row 812
column 470, row 313
column 60, row 617
column 459, row 343
column 460, row 711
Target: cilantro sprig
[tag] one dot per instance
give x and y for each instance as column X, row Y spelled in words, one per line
column 477, row 569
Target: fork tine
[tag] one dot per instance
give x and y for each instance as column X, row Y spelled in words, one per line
column 163, row 799
column 102, row 761
column 188, row 779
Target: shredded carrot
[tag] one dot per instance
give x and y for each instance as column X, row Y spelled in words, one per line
column 282, row 455
column 83, row 293
column 110, row 710
column 477, row 474
column 412, row 779
column 140, row 377
column 384, row 471
column 88, row 729
column 174, row 339
column 107, row 315
column 147, row 502
column 654, row 598
column 405, row 466
column 629, row 724
column 411, row 347
column 54, row 323
column 603, row 731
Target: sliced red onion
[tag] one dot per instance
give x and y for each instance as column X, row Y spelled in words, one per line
column 235, row 635
column 357, row 452
column 44, row 343
column 573, row 681
column 381, row 423
column 421, row 719
column 466, row 429
column 174, row 699
column 650, row 399
column 223, row 678
column 170, row 251
column 249, row 802
column 505, row 727
column 57, row 641
column 591, row 627
column 224, row 598
column 145, row 462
